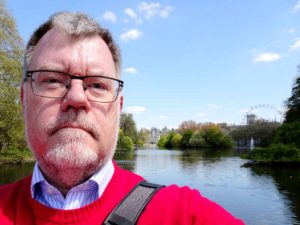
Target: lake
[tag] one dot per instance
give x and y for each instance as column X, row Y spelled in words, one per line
column 258, row 195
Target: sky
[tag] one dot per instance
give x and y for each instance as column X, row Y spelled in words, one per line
column 201, row 60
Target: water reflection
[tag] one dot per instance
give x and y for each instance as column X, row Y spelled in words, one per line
column 287, row 182
column 10, row 173
column 125, row 159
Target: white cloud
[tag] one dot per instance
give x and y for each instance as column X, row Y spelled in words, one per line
column 135, row 109
column 295, row 46
column 200, row 115
column 266, row 57
column 132, row 34
column 214, row 106
column 290, row 31
column 296, row 7
column 150, row 9
column 162, row 118
column 164, row 13
column 131, row 13
column 153, row 9
column 110, row 16
column 130, row 70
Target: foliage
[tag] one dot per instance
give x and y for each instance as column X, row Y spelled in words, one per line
column 215, row 138
column 261, row 130
column 293, row 103
column 208, row 136
column 169, row 138
column 288, row 133
column 143, row 136
column 128, row 130
column 176, row 140
column 140, row 143
column 197, row 141
column 162, row 141
column 127, row 124
column 124, row 142
column 188, row 125
column 276, row 153
column 11, row 123
column 186, row 137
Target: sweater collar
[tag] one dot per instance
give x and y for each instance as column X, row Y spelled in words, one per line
column 97, row 183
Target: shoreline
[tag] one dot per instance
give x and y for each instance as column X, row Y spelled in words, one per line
column 16, row 162
column 291, row 164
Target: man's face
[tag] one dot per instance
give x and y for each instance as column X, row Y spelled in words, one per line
column 71, row 134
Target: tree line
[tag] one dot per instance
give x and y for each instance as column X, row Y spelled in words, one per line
column 196, row 135
column 12, row 141
column 129, row 137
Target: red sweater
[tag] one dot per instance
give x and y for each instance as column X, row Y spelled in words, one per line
column 170, row 205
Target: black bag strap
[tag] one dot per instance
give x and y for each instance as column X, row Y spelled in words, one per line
column 131, row 207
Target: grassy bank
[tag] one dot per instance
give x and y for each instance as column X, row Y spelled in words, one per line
column 16, row 157
column 275, row 154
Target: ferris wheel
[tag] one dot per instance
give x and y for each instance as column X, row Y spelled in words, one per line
column 264, row 111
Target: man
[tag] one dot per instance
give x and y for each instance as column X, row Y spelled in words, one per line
column 71, row 98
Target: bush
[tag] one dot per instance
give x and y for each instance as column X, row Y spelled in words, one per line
column 186, row 136
column 124, row 142
column 215, row 138
column 197, row 140
column 288, row 133
column 176, row 140
column 276, row 153
column 127, row 143
column 162, row 141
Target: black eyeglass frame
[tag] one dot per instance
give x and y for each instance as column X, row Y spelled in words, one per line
column 29, row 73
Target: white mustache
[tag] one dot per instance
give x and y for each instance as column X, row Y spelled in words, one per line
column 73, row 118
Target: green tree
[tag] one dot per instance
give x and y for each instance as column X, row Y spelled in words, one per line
column 188, row 125
column 124, row 142
column 186, row 136
column 143, row 136
column 293, row 103
column 162, row 141
column 197, row 141
column 176, row 140
column 215, row 138
column 127, row 124
column 288, row 133
column 11, row 47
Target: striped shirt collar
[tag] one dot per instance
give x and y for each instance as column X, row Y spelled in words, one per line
column 78, row 196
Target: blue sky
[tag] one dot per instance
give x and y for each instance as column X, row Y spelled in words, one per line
column 206, row 60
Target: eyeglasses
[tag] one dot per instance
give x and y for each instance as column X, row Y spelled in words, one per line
column 55, row 84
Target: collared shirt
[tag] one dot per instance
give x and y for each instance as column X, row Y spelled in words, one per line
column 78, row 196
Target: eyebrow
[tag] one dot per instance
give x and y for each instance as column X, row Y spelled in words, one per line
column 61, row 69
column 52, row 67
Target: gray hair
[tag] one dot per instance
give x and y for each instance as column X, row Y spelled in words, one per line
column 74, row 24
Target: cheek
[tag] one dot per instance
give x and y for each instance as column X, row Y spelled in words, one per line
column 38, row 113
column 108, row 121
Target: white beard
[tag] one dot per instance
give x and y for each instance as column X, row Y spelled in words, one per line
column 71, row 162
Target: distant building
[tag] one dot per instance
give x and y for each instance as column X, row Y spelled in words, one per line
column 155, row 134
column 251, row 118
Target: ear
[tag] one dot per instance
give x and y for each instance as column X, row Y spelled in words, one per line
column 121, row 103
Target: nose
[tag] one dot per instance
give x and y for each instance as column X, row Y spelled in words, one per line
column 76, row 97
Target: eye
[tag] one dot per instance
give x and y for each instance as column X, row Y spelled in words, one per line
column 97, row 85
column 50, row 79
